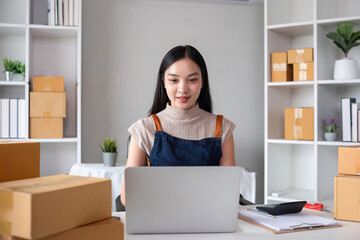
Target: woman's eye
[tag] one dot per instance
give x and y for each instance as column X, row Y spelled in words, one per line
column 193, row 79
column 172, row 80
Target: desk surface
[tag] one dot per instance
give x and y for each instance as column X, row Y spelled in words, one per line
column 245, row 230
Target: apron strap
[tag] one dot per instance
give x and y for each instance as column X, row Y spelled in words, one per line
column 219, row 119
column 157, row 122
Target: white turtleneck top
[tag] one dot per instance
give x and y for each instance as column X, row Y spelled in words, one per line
column 194, row 124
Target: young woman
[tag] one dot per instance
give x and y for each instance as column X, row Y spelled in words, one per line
column 181, row 130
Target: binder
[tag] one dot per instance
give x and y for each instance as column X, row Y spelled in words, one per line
column 5, row 118
column 288, row 223
column 346, row 118
column 13, row 118
column 354, row 121
column 21, row 118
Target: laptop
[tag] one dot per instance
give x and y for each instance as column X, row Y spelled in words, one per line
column 182, row 199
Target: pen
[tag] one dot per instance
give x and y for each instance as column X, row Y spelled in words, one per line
column 261, row 213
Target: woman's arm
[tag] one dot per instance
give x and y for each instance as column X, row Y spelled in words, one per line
column 136, row 158
column 228, row 155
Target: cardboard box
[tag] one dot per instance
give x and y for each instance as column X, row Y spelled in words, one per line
column 19, row 160
column 304, row 71
column 109, row 229
column 300, row 55
column 347, row 198
column 280, row 70
column 48, row 84
column 349, row 160
column 39, row 207
column 46, row 127
column 299, row 123
column 44, row 104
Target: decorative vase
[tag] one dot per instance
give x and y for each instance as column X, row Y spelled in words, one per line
column 8, row 76
column 109, row 158
column 346, row 68
column 330, row 136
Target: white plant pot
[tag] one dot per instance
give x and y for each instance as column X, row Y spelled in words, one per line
column 346, row 68
column 109, row 159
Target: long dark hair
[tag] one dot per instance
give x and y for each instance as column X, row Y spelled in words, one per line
column 175, row 54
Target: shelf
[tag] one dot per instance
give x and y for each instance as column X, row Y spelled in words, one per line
column 293, row 29
column 347, row 82
column 336, row 21
column 54, row 140
column 8, row 29
column 283, row 141
column 338, row 143
column 294, row 195
column 53, row 31
column 12, row 84
column 290, row 84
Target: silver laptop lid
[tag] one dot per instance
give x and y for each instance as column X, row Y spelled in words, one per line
column 182, row 199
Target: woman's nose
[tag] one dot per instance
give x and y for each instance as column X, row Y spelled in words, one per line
column 183, row 87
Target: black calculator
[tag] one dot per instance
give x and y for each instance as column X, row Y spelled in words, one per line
column 282, row 208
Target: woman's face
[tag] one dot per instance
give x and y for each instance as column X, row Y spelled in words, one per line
column 183, row 83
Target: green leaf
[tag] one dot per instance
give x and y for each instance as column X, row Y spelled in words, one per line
column 355, row 37
column 109, row 145
column 345, row 29
column 337, row 38
column 351, row 45
column 339, row 46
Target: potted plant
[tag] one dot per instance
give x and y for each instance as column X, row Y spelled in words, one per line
column 345, row 38
column 9, row 67
column 330, row 126
column 19, row 69
column 109, row 152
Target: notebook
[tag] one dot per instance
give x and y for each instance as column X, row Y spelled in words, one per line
column 182, row 199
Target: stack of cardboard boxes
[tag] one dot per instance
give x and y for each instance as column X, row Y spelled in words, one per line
column 19, row 160
column 347, row 184
column 293, row 65
column 47, row 107
column 58, row 207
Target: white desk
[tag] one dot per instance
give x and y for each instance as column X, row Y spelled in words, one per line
column 245, row 231
column 98, row 170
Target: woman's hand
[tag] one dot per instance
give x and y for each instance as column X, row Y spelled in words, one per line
column 136, row 158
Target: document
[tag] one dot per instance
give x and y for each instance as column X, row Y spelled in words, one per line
column 287, row 222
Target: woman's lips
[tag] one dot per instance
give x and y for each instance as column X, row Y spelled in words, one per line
column 183, row 99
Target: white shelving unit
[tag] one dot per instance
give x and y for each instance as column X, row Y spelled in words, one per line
column 45, row 50
column 305, row 170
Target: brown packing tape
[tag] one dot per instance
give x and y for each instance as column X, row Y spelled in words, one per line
column 6, row 206
column 298, row 123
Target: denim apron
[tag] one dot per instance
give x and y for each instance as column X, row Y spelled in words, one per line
column 173, row 151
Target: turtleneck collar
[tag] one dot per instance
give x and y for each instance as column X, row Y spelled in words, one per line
column 182, row 114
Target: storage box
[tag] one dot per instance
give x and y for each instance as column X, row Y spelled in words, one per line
column 44, row 104
column 46, row 127
column 299, row 123
column 349, row 160
column 39, row 207
column 109, row 229
column 304, row 71
column 300, row 55
column 48, row 84
column 19, row 160
column 280, row 70
column 347, row 198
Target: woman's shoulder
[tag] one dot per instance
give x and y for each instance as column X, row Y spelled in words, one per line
column 212, row 116
column 144, row 124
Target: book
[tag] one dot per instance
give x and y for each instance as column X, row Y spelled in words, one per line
column 60, row 12
column 354, row 121
column 21, row 118
column 5, row 105
column 346, row 118
column 66, row 12
column 39, row 12
column 76, row 12
column 13, row 118
column 71, row 12
column 51, row 13
column 56, row 19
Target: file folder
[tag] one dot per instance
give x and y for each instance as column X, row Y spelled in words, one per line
column 288, row 222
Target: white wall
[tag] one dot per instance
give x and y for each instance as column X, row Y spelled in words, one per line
column 123, row 44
